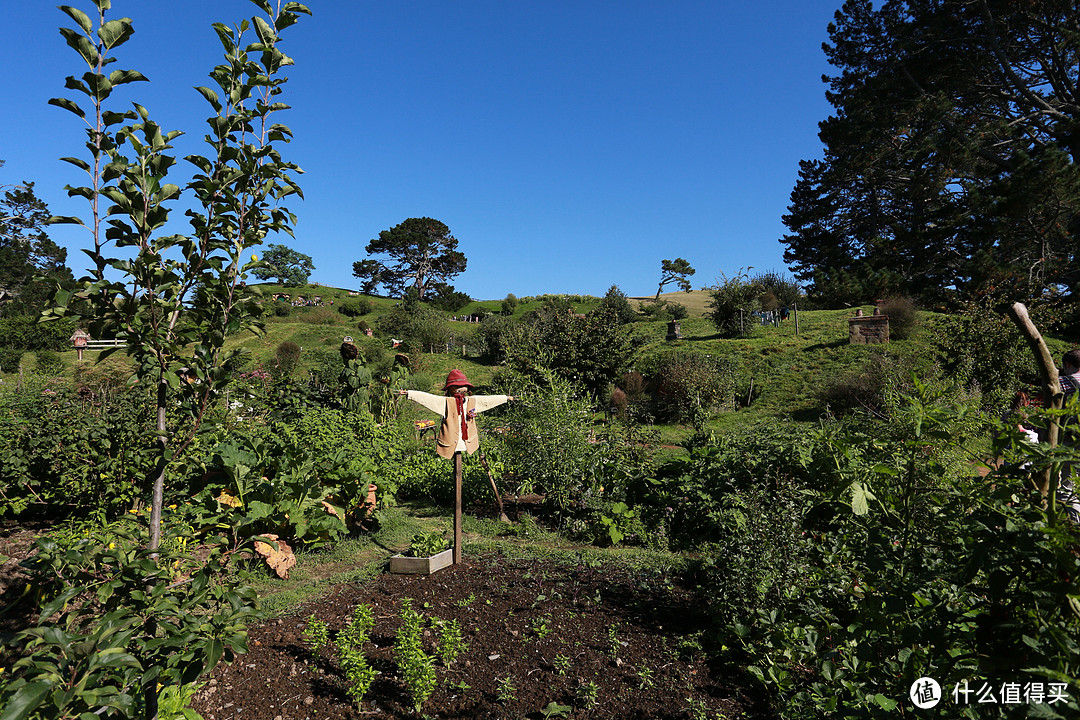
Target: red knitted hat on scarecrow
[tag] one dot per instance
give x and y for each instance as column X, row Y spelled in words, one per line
column 456, row 378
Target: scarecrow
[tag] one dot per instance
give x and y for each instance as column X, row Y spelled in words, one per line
column 458, row 433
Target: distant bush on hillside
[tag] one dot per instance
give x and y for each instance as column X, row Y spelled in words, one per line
column 733, row 299
column 49, row 362
column 318, row 316
column 677, row 311
column 354, row 307
column 902, row 317
column 777, row 289
column 286, row 357
column 688, row 387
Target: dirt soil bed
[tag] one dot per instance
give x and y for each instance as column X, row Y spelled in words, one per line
column 517, row 616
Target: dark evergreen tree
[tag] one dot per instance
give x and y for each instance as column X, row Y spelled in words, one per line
column 950, row 164
column 27, row 252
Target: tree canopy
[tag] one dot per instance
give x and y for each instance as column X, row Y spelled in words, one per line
column 290, row 267
column 419, row 252
column 26, row 252
column 677, row 270
column 950, row 163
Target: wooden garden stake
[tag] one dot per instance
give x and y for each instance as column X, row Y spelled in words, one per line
column 457, row 508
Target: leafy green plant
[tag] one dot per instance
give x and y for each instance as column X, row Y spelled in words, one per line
column 116, row 624
column 645, row 675
column 614, row 644
column 174, row 700
column 451, row 644
column 428, row 544
column 350, row 650
column 561, row 663
column 913, row 568
column 506, row 692
column 587, row 694
column 542, row 626
column 554, row 709
column 316, row 633
column 417, row 668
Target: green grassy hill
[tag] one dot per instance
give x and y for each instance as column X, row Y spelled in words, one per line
column 784, row 368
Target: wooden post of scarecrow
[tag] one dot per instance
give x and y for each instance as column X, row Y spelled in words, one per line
column 458, row 433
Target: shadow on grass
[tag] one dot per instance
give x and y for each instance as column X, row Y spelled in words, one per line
column 825, row 346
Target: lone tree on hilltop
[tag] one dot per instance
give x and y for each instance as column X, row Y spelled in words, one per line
column 290, row 267
column 677, row 270
column 421, row 253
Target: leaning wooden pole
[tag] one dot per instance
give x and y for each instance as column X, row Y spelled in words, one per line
column 457, row 508
column 1051, row 387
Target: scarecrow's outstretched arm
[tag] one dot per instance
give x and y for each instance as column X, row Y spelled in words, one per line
column 434, row 403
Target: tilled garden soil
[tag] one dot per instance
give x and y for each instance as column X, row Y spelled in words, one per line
column 632, row 633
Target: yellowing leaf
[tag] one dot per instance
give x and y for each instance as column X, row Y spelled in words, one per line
column 230, row 500
column 279, row 560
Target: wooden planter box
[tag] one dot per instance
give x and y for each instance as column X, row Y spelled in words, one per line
column 421, row 565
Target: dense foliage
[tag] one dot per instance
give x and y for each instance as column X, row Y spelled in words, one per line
column 950, row 165
column 291, row 267
column 419, row 252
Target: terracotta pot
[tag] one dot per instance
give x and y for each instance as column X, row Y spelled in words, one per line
column 370, row 505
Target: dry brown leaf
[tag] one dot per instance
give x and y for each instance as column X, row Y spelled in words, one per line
column 279, row 560
column 332, row 510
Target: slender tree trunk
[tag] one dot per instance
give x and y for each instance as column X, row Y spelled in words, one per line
column 159, row 479
column 1051, row 387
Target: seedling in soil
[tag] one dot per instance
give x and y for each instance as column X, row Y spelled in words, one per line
column 416, row 666
column 614, row 644
column 587, row 694
column 541, row 627
column 507, row 692
column 697, row 709
column 350, row 646
column 561, row 664
column 451, row 644
column 466, row 602
column 646, row 677
column 461, row 687
column 316, row 633
column 554, row 709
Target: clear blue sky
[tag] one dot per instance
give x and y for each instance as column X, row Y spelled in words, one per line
column 568, row 144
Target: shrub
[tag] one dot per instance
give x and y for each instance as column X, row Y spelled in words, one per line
column 282, row 309
column 677, row 311
column 354, row 307
column 781, row 289
column 509, row 304
column 733, row 299
column 689, row 386
column 902, row 317
column 9, row 359
column 615, row 300
column 49, row 362
column 318, row 316
column 286, row 357
column 491, row 338
column 984, row 351
column 26, row 333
